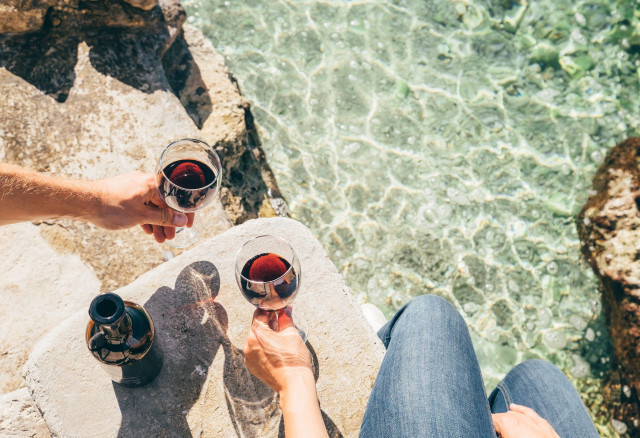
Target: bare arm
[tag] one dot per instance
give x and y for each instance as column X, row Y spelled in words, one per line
column 282, row 361
column 28, row 195
column 114, row 203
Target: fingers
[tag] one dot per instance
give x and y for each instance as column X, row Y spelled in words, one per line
column 525, row 410
column 169, row 232
column 158, row 234
column 534, row 417
column 164, row 216
column 190, row 218
column 285, row 319
column 147, row 228
column 500, row 422
column 261, row 317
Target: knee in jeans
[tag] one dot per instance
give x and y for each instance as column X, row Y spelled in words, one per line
column 538, row 367
column 432, row 306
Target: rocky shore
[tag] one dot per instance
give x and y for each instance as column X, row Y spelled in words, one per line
column 609, row 229
column 91, row 90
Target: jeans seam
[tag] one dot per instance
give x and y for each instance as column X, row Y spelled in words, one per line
column 486, row 400
column 505, row 393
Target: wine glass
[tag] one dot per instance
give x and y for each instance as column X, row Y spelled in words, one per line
column 188, row 178
column 268, row 275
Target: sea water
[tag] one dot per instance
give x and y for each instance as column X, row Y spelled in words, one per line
column 445, row 147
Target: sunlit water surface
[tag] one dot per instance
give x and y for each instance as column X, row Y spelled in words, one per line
column 445, row 147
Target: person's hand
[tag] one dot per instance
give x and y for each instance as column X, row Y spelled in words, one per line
column 132, row 199
column 278, row 358
column 522, row 422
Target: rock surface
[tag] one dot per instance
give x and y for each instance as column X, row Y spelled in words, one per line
column 38, row 289
column 609, row 229
column 90, row 102
column 202, row 320
column 91, row 90
column 19, row 416
column 20, row 16
column 199, row 77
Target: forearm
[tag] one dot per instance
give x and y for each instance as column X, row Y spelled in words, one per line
column 300, row 409
column 27, row 195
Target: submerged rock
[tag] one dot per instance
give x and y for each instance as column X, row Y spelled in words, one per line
column 609, row 229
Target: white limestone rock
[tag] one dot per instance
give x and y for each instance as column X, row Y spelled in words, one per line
column 19, row 416
column 39, row 288
column 202, row 320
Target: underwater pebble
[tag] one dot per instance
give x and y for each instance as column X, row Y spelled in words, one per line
column 618, row 426
column 167, row 255
column 544, row 317
column 590, row 335
column 627, row 391
column 470, row 307
column 555, row 339
column 578, row 322
column 552, row 268
column 580, row 367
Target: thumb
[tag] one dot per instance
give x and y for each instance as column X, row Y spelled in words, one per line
column 164, row 216
column 285, row 319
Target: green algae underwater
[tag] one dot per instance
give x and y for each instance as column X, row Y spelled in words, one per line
column 445, row 147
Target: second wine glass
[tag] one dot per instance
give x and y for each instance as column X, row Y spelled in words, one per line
column 188, row 178
column 268, row 275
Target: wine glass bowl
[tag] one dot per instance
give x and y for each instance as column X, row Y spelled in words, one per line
column 268, row 272
column 188, row 178
column 188, row 175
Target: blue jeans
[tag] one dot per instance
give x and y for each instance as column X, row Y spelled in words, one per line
column 430, row 385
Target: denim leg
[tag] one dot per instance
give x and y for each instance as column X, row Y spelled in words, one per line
column 429, row 384
column 545, row 389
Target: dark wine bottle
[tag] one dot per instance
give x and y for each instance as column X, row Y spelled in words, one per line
column 122, row 337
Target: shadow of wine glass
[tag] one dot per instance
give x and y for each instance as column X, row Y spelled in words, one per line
column 253, row 406
column 190, row 327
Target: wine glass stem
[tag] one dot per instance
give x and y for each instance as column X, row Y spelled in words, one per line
column 273, row 320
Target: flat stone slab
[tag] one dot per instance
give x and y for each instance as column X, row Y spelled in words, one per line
column 202, row 321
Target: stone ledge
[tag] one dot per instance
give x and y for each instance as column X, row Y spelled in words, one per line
column 204, row 388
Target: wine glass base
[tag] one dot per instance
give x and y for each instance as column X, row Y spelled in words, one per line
column 184, row 237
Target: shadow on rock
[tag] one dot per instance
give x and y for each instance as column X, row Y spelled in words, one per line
column 126, row 43
column 186, row 82
column 190, row 328
column 253, row 406
column 45, row 59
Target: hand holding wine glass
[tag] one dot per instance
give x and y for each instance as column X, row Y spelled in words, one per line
column 276, row 356
column 268, row 275
column 187, row 178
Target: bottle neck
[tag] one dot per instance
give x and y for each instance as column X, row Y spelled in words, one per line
column 108, row 312
column 118, row 331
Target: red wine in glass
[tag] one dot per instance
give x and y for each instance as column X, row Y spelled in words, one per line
column 268, row 275
column 188, row 176
column 268, row 282
column 185, row 184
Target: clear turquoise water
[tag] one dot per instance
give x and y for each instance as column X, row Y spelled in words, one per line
column 444, row 147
